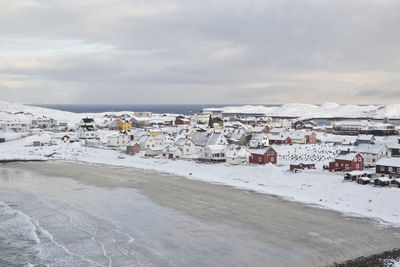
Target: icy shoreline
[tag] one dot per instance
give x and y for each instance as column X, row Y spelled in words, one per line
column 322, row 190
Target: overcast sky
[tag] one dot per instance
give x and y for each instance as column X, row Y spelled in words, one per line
column 200, row 51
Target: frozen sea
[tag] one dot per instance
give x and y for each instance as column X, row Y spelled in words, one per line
column 64, row 214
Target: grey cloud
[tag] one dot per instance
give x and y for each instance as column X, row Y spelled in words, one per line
column 313, row 51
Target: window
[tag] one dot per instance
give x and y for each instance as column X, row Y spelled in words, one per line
column 259, row 159
column 382, row 168
column 359, row 159
column 347, row 166
column 336, row 164
column 398, row 170
column 272, row 158
column 357, row 166
column 390, row 169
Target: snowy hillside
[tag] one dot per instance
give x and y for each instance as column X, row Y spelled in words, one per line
column 326, row 110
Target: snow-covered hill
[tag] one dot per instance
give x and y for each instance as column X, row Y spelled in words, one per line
column 326, row 110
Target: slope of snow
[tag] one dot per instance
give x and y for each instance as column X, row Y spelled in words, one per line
column 326, row 110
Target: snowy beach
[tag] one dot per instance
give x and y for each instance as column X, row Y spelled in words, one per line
column 87, row 215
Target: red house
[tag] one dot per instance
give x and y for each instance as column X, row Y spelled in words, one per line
column 133, row 149
column 263, row 156
column 180, row 120
column 347, row 163
column 279, row 140
column 311, row 138
column 302, row 166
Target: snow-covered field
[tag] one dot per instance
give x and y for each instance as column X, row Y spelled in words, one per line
column 313, row 187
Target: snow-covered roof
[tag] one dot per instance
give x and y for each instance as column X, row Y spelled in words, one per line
column 392, row 162
column 349, row 156
column 365, row 137
column 370, row 149
column 181, row 141
column 258, row 136
column 260, row 151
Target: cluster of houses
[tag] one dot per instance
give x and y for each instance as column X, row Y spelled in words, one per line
column 370, row 162
column 237, row 140
column 196, row 137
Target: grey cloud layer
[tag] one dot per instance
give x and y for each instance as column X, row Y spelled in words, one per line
column 200, row 51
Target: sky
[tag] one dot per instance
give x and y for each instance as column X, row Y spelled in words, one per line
column 199, row 52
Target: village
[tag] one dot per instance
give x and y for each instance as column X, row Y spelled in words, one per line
column 345, row 147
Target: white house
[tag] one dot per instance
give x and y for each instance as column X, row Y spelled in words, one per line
column 118, row 139
column 15, row 126
column 259, row 140
column 146, row 141
column 232, row 155
column 44, row 123
column 214, row 153
column 187, row 146
column 162, row 139
column 173, row 152
column 87, row 129
column 373, row 153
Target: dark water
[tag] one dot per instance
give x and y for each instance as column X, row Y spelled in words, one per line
column 167, row 108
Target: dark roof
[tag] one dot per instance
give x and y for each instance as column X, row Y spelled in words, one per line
column 88, row 120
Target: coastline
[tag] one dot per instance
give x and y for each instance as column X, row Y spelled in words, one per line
column 322, row 235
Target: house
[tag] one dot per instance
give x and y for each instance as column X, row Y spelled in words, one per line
column 372, row 153
column 215, row 119
column 146, row 141
column 259, row 140
column 389, row 167
column 303, row 137
column 263, row 156
column 44, row 123
column 394, row 149
column 214, row 153
column 136, row 134
column 201, row 138
column 132, row 148
column 347, row 162
column 237, row 136
column 301, row 166
column 279, row 139
column 365, row 139
column 187, row 147
column 298, row 124
column 14, row 126
column 260, row 129
column 382, row 181
column 355, row 175
column 180, row 120
column 154, row 151
column 87, row 129
column 232, row 155
column 118, row 139
column 277, row 131
column 65, row 139
column 173, row 152
column 124, row 125
column 162, row 139
column 87, row 132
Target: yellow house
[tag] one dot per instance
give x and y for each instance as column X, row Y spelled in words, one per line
column 154, row 132
column 124, row 125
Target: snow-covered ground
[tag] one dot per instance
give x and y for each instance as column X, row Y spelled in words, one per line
column 313, row 187
column 327, row 110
